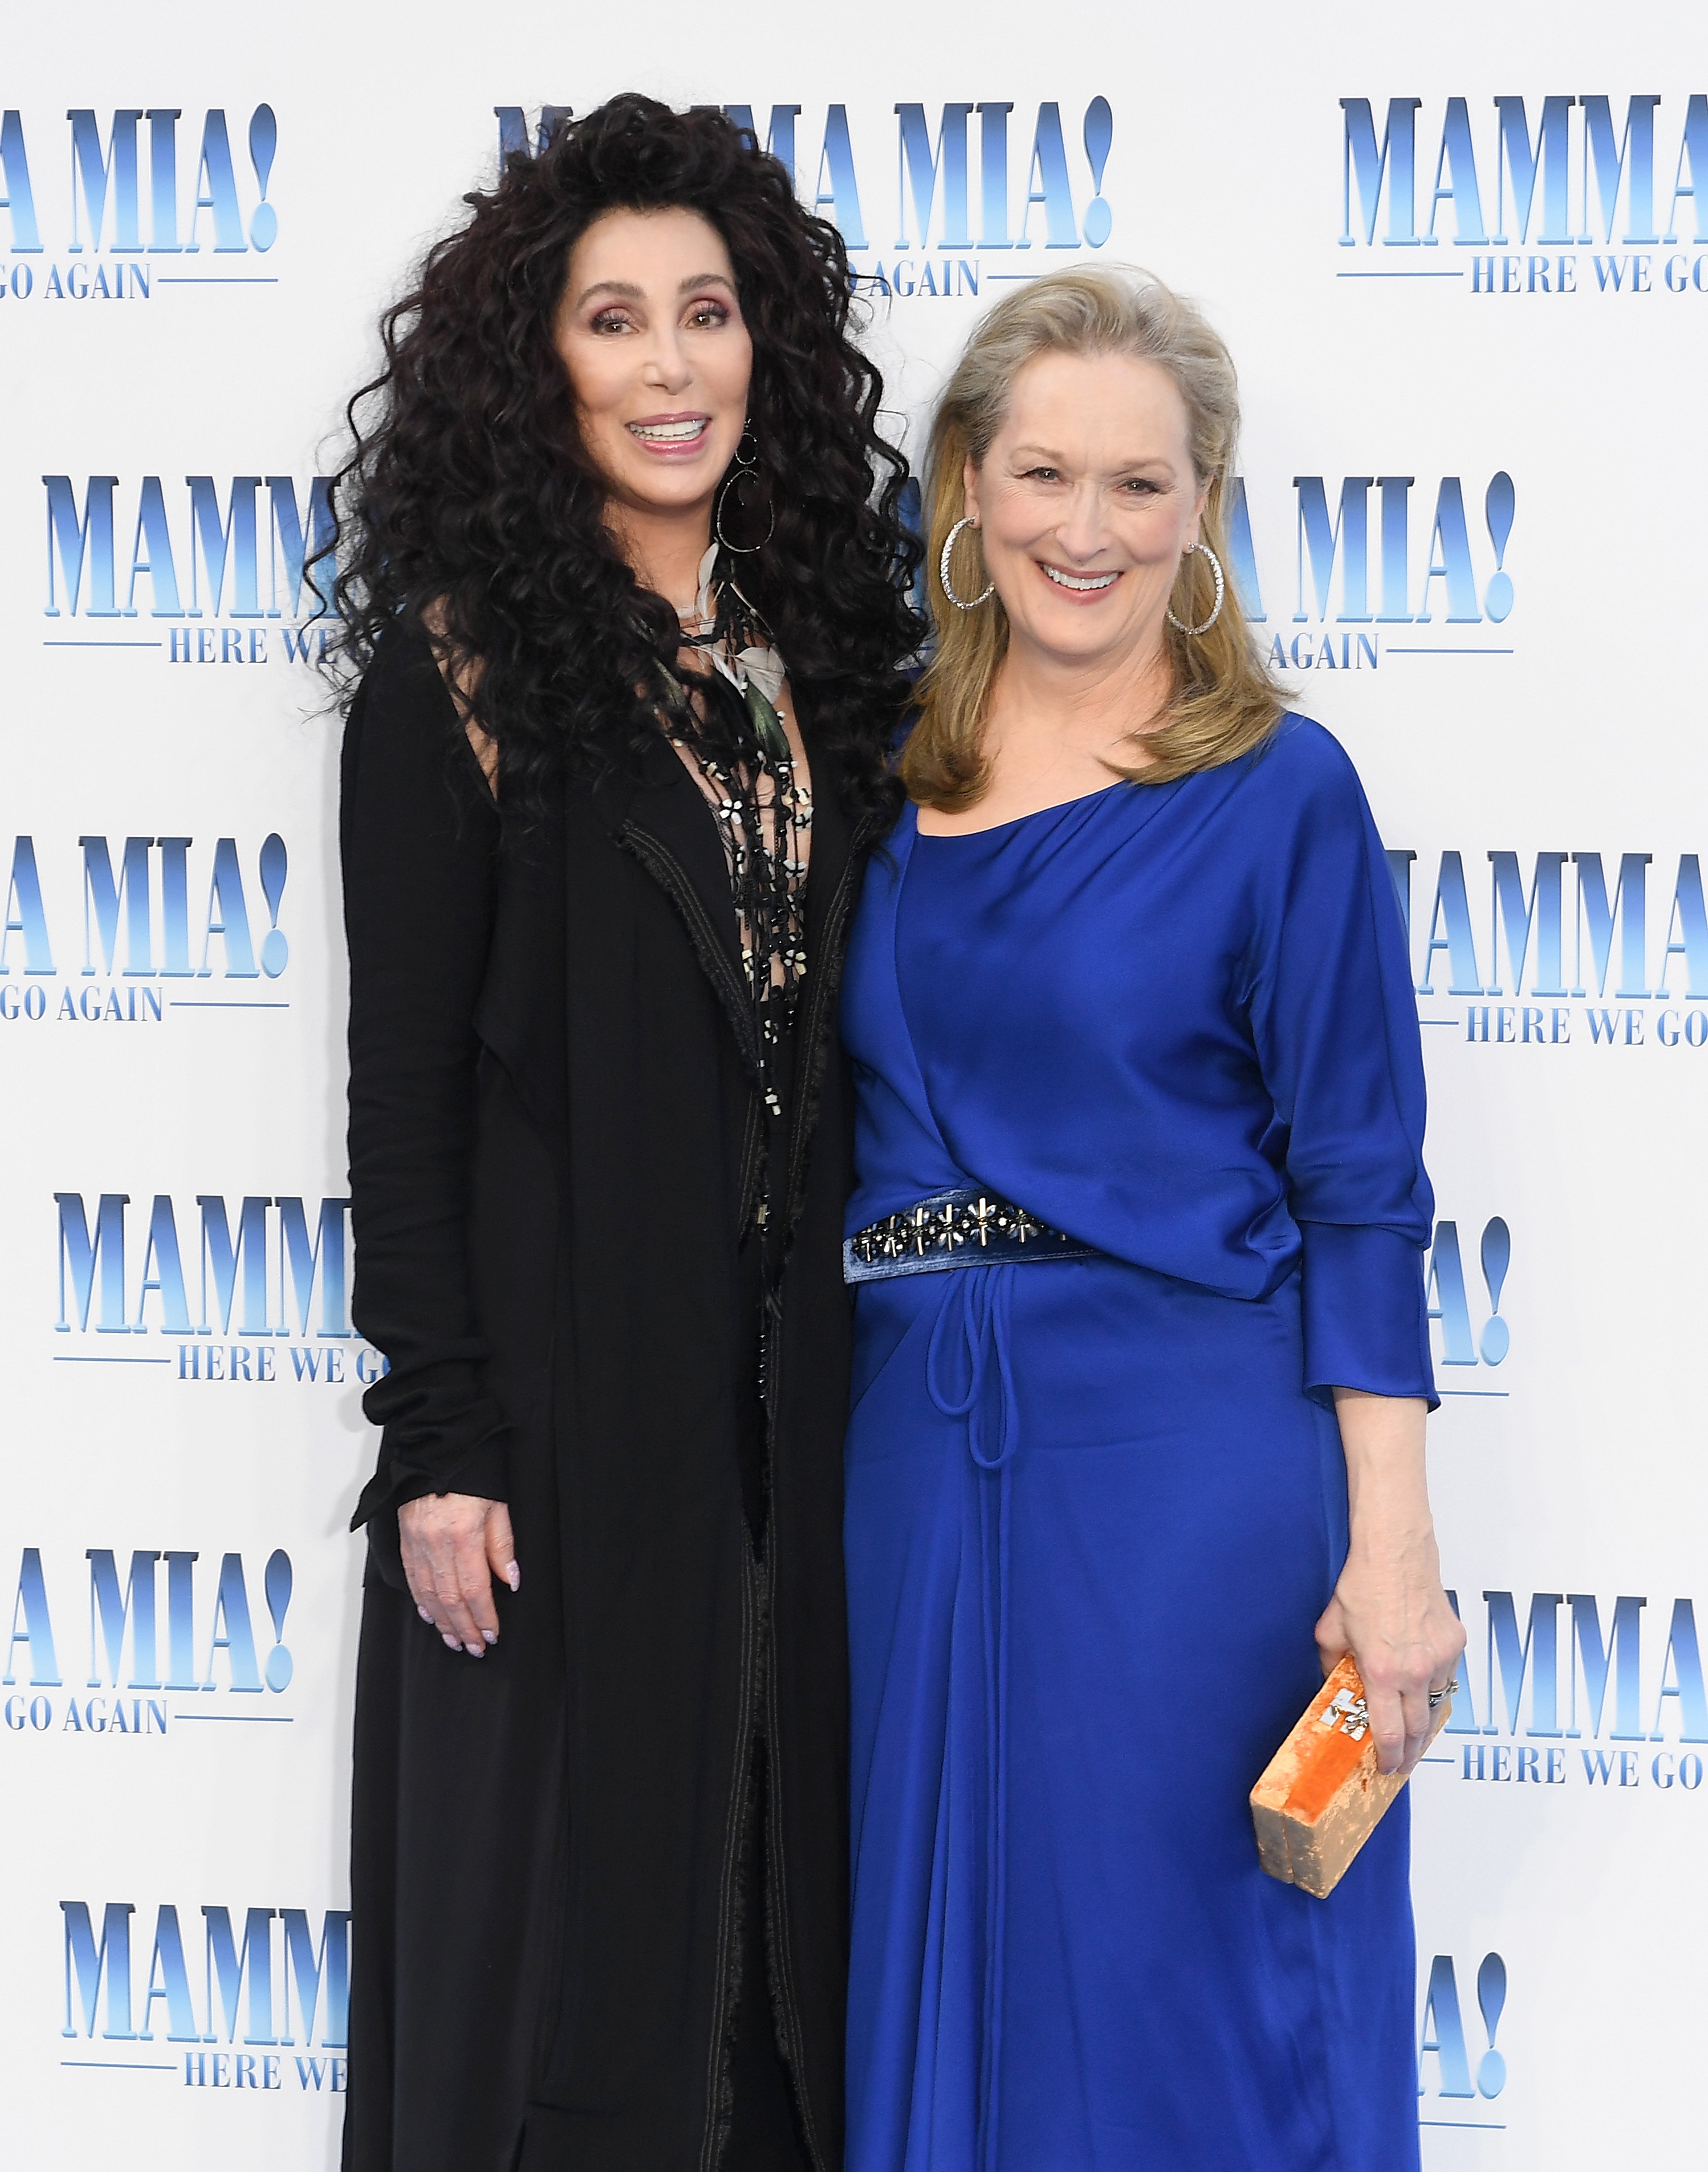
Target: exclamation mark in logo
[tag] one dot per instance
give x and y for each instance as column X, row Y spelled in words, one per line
column 263, row 143
column 276, row 949
column 277, row 1583
column 1497, row 511
column 1491, row 1997
column 1099, row 129
column 1497, row 1339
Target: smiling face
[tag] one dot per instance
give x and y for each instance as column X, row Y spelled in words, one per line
column 1086, row 501
column 651, row 332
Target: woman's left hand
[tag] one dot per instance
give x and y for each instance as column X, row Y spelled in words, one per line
column 1388, row 1609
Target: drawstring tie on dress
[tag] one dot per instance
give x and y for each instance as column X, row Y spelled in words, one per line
column 978, row 1313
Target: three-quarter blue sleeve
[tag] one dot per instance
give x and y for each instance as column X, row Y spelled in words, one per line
column 1335, row 1026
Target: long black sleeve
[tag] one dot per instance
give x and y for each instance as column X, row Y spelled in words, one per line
column 418, row 840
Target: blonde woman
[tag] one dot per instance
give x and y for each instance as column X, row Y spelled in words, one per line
column 1128, row 1006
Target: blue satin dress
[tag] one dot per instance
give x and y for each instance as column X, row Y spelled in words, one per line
column 1094, row 1507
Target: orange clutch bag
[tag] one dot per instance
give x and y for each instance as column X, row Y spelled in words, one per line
column 1322, row 1796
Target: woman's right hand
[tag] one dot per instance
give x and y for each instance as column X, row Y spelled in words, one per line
column 452, row 1545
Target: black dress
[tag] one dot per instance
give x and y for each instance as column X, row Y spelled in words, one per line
column 599, row 1876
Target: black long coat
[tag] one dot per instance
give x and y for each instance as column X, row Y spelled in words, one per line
column 553, row 1134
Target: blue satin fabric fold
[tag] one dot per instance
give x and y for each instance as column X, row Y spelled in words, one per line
column 978, row 1315
column 1176, row 1021
column 1092, row 1516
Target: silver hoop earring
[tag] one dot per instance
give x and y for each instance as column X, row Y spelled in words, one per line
column 943, row 569
column 745, row 471
column 1220, row 593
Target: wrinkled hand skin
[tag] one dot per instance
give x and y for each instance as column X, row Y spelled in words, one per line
column 452, row 1545
column 1388, row 1609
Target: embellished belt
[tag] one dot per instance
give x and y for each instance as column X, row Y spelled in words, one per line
column 965, row 1227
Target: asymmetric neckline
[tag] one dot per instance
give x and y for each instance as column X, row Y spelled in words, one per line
column 995, row 829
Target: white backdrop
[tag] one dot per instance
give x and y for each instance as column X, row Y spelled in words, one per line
column 1479, row 352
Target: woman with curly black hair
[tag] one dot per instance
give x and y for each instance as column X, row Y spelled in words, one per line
column 622, row 575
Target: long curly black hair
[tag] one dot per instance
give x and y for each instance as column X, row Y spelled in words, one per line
column 469, row 502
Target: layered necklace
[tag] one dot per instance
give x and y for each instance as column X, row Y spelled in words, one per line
column 736, row 743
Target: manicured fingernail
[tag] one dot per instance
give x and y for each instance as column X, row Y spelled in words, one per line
column 476, row 1651
column 450, row 1640
column 489, row 1635
column 512, row 1576
column 423, row 1613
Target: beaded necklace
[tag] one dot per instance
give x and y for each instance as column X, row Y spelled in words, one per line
column 736, row 743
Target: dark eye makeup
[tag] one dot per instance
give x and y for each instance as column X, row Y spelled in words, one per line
column 708, row 312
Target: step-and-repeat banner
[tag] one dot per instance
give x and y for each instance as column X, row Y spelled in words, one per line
column 1462, row 265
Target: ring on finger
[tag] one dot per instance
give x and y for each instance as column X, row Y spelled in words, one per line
column 1438, row 1697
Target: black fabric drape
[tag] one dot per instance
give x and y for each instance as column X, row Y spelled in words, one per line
column 553, row 1130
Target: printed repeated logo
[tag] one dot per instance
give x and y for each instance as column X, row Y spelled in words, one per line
column 1552, row 958
column 253, row 1265
column 197, row 573
column 1447, row 2076
column 1578, row 204
column 1403, row 567
column 159, row 1643
column 124, row 932
column 963, row 204
column 133, row 209
column 1581, row 1699
column 123, row 1991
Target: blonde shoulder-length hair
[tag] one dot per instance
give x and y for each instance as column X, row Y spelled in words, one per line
column 1223, row 702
